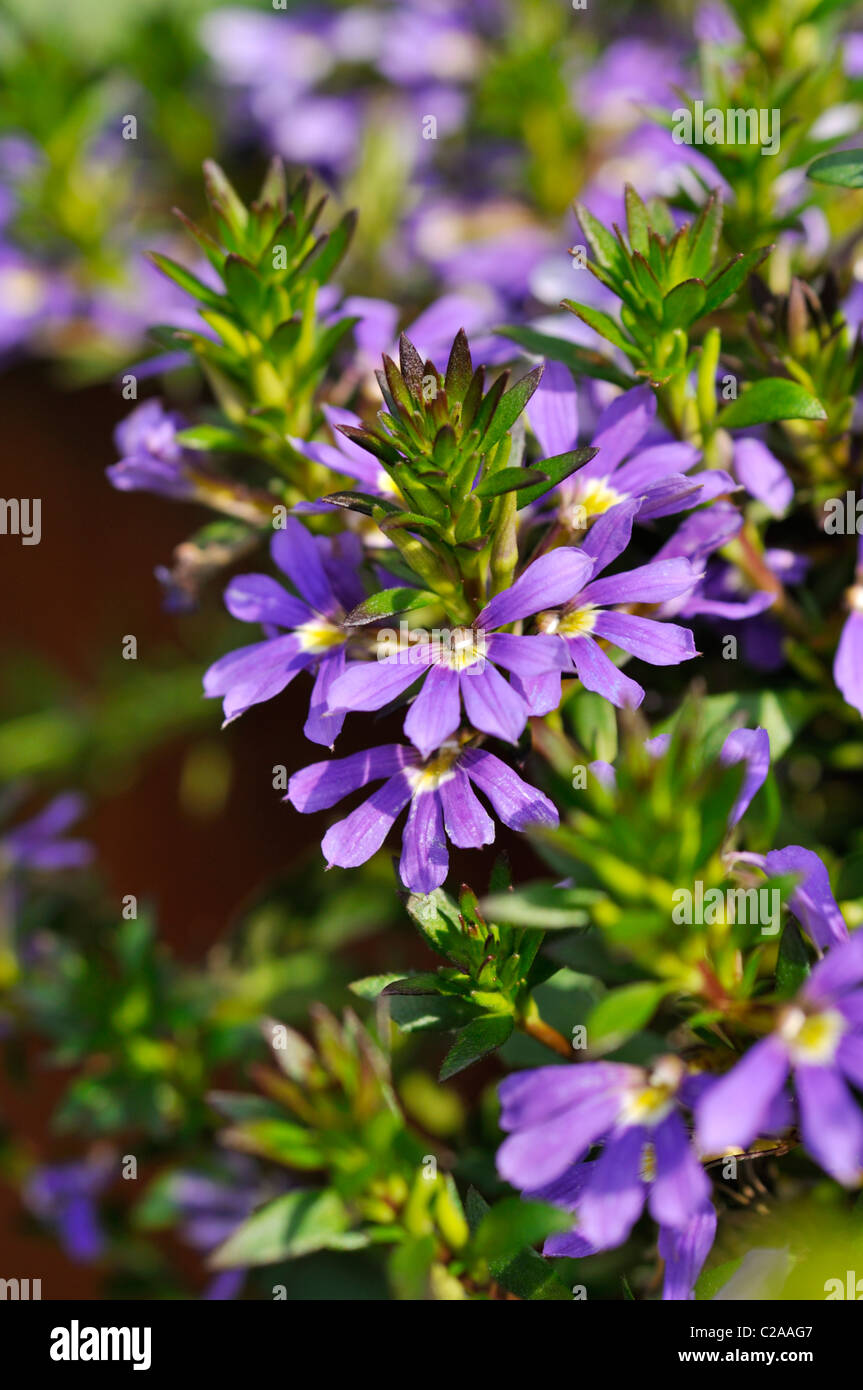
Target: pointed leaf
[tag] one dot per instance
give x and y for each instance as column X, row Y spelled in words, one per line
column 478, row 1039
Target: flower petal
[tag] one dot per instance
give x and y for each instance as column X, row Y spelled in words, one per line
column 684, row 1252
column 321, row 785
column 466, row 821
column 662, row 644
column 613, row 1198
column 622, row 426
column 425, row 858
column 848, row 665
column 436, row 711
column 610, row 534
column 751, row 747
column 812, row 901
column 597, row 672
column 368, row 685
column 653, row 583
column 553, row 411
column 323, row 724
column 515, row 802
column 294, row 551
column 551, row 580
column 355, row 839
column 257, row 598
column 830, row 1122
column 763, row 475
column 733, row 1111
column 491, row 704
column 681, row 1186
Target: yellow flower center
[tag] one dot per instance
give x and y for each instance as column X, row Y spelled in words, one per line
column 812, row 1039
column 440, row 768
column 318, row 635
column 649, row 1104
column 588, row 500
column 573, row 622
column 460, row 648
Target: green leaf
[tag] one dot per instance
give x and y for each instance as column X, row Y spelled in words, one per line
column 729, row 280
column 321, row 266
column 292, row 1225
column 414, row 1013
column 370, row 986
column 513, row 1224
column 583, row 361
column 364, row 502
column 213, row 438
column 792, row 963
column 459, row 369
column 602, row 323
column 602, row 243
column 772, row 398
column 622, row 1012
column 637, row 222
column 245, row 287
column 541, row 906
column 684, row 304
column 387, row 602
column 528, row 1275
column 555, row 470
column 423, row 982
column 509, row 407
column 186, row 280
column 478, row 1039
column 436, row 917
column 704, row 237
column 276, row 1139
column 512, row 480
column 595, row 723
column 843, row 168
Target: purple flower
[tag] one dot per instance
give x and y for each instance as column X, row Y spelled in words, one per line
column 763, row 476
column 848, row 665
column 655, row 475
column 30, row 298
column 151, row 459
column 442, row 800
column 303, row 633
column 345, row 456
column 65, row 1195
column 684, row 1252
column 812, row 901
column 752, row 748
column 555, row 1114
column 819, row 1039
column 584, row 616
column 459, row 665
column 38, row 843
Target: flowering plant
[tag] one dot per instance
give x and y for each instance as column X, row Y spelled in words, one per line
column 563, row 613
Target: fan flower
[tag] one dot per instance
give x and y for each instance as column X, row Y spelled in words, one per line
column 38, row 843
column 460, row 666
column 555, row 1114
column 584, row 617
column 442, row 800
column 151, row 458
column 655, row 475
column 314, row 636
column 818, row 1038
column 848, row 666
